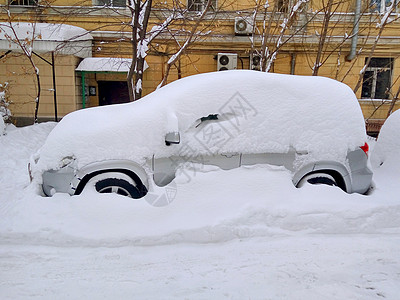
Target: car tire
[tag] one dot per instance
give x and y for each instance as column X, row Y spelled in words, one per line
column 114, row 182
column 318, row 178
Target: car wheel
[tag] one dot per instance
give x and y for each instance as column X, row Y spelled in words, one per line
column 113, row 182
column 318, row 178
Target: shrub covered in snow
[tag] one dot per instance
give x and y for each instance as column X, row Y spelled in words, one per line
column 2, row 126
column 5, row 113
column 387, row 147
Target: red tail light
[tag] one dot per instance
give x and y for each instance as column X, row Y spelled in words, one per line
column 365, row 148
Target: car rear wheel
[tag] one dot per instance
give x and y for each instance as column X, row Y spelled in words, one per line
column 318, row 178
column 114, row 182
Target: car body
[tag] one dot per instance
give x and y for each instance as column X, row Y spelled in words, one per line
column 387, row 147
column 313, row 126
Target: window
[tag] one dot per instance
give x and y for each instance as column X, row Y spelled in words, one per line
column 377, row 79
column 23, row 2
column 111, row 3
column 200, row 5
column 381, row 5
column 282, row 6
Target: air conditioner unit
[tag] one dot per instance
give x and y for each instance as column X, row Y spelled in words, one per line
column 227, row 61
column 243, row 25
column 255, row 62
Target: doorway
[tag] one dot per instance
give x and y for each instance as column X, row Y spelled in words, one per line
column 113, row 92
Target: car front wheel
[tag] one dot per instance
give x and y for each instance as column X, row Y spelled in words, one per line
column 114, row 182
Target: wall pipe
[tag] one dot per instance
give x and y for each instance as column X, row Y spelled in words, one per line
column 354, row 39
column 83, row 90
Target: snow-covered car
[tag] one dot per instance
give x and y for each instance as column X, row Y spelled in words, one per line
column 387, row 148
column 313, row 126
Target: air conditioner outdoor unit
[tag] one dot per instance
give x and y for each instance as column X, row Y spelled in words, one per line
column 255, row 62
column 243, row 25
column 227, row 61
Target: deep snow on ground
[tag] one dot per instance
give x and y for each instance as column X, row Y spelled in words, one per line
column 238, row 234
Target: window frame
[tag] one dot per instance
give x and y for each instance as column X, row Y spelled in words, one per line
column 199, row 5
column 283, row 6
column 108, row 3
column 372, row 86
column 381, row 6
column 23, row 2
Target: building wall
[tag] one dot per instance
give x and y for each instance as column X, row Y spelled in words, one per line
column 22, row 85
column 111, row 38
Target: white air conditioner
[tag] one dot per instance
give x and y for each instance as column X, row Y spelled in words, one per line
column 255, row 62
column 227, row 61
column 243, row 25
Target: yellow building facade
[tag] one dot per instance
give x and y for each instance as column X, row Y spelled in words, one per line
column 293, row 37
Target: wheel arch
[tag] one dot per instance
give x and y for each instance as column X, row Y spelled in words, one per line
column 132, row 169
column 338, row 171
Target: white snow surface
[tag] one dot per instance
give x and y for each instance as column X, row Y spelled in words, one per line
column 45, row 37
column 240, row 234
column 388, row 144
column 44, row 32
column 259, row 112
column 106, row 64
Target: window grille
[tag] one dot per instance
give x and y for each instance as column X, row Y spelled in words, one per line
column 200, row 5
column 111, row 3
column 24, row 2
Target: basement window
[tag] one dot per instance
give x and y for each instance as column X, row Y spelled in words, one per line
column 377, row 79
column 200, row 5
column 23, row 2
column 110, row 3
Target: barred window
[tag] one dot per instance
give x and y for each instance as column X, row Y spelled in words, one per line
column 111, row 3
column 23, row 2
column 200, row 5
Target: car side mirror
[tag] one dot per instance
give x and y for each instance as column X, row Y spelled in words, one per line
column 172, row 138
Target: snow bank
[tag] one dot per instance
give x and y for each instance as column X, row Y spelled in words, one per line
column 213, row 206
column 258, row 112
column 387, row 148
column 316, row 242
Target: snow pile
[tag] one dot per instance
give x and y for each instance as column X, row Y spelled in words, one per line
column 387, row 148
column 15, row 150
column 238, row 234
column 43, row 31
column 257, row 112
column 212, row 206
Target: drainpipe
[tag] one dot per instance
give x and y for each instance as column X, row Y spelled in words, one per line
column 354, row 39
column 83, row 90
column 292, row 63
column 53, row 66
